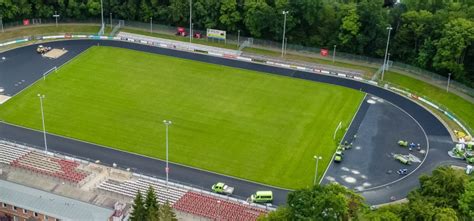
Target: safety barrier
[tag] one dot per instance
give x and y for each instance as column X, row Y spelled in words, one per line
column 433, row 105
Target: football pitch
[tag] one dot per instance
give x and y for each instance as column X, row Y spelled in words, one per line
column 256, row 126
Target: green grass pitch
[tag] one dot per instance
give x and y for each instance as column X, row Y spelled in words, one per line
column 251, row 125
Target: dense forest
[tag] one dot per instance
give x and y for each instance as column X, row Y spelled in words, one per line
column 433, row 34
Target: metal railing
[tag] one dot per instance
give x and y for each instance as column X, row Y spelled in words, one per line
column 441, row 108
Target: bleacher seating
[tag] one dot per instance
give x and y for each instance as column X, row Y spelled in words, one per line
column 130, row 188
column 216, row 208
column 51, row 166
column 9, row 153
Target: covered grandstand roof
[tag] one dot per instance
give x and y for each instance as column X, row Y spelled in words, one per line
column 50, row 204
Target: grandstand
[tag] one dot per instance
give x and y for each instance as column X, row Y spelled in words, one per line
column 9, row 153
column 215, row 208
column 51, row 166
column 186, row 199
column 20, row 157
column 130, row 188
column 107, row 186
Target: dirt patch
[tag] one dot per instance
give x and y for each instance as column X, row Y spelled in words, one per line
column 55, row 53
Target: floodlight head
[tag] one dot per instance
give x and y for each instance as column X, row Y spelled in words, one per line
column 317, row 157
column 285, row 12
column 167, row 122
column 389, row 28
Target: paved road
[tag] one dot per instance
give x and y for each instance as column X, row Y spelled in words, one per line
column 369, row 162
column 438, row 135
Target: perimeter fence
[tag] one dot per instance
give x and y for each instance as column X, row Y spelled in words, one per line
column 234, row 39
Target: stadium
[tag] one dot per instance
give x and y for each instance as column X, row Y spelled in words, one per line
column 90, row 120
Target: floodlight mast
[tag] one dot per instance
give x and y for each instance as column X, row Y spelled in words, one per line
column 284, row 30
column 389, row 28
column 167, row 123
column 41, row 97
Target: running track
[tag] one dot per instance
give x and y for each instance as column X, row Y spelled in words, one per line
column 438, row 136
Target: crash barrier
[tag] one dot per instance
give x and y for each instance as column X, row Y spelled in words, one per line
column 233, row 54
column 178, row 44
column 14, row 42
column 426, row 101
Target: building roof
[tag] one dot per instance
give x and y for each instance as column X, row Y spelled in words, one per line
column 50, row 204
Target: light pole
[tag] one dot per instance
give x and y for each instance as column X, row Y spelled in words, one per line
column 316, row 172
column 389, row 28
column 388, row 61
column 334, row 53
column 111, row 20
column 190, row 20
column 41, row 97
column 238, row 38
column 102, row 15
column 1, row 23
column 167, row 169
column 56, row 16
column 151, row 25
column 284, row 30
column 449, row 79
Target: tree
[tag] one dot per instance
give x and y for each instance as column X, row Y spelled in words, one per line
column 372, row 37
column 139, row 211
column 151, row 205
column 146, row 12
column 445, row 214
column 350, row 26
column 152, row 214
column 93, row 7
column 258, row 16
column 466, row 201
column 282, row 213
column 166, row 213
column 457, row 36
column 380, row 215
column 206, row 13
column 443, row 188
column 178, row 12
column 229, row 15
column 418, row 208
column 415, row 28
column 72, row 9
column 8, row 10
column 330, row 202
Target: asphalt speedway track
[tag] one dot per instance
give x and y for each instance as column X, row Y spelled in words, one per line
column 29, row 67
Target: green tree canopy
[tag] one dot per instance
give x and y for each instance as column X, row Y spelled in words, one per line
column 139, row 211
